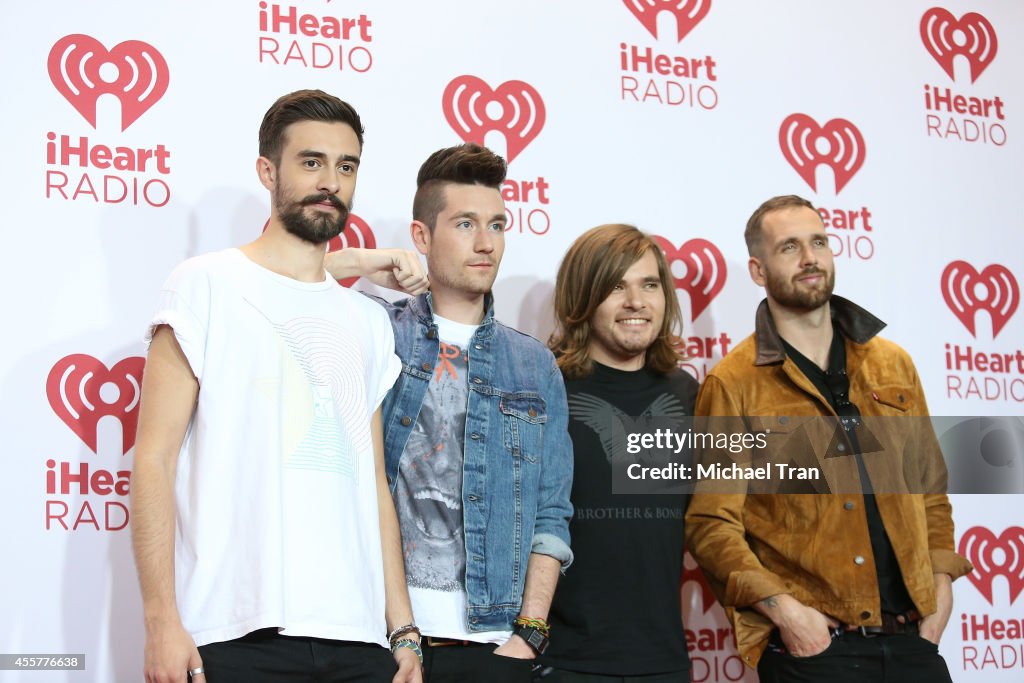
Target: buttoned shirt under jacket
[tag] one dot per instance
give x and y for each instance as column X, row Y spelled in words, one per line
column 817, row 547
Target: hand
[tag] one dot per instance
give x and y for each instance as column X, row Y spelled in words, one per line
column 804, row 630
column 934, row 624
column 409, row 669
column 170, row 655
column 517, row 648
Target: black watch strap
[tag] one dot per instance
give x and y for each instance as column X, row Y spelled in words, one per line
column 533, row 637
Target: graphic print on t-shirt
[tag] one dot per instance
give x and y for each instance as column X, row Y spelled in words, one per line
column 314, row 400
column 428, row 495
column 611, row 424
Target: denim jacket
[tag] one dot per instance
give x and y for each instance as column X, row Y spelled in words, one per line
column 517, row 467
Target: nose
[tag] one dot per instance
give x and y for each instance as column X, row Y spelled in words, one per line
column 808, row 256
column 635, row 298
column 329, row 180
column 483, row 243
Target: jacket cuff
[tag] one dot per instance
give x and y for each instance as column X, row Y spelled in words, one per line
column 948, row 562
column 748, row 587
column 552, row 546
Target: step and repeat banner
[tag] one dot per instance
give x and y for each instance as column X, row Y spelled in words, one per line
column 131, row 134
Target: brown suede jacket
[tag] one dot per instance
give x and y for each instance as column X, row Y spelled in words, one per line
column 817, row 547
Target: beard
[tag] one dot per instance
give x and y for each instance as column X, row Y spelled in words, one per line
column 317, row 229
column 792, row 295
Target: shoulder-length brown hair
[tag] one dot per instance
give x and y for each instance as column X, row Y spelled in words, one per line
column 590, row 270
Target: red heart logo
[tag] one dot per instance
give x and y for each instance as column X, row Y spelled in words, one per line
column 978, row 544
column 967, row 291
column 841, row 148
column 514, row 109
column 687, row 13
column 81, row 390
column 941, row 33
column 705, row 271
column 82, row 69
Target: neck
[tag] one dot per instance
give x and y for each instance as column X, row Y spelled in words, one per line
column 459, row 306
column 809, row 332
column 280, row 251
column 619, row 362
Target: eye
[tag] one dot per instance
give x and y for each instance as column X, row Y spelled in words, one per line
column 820, row 242
column 618, row 288
column 497, row 227
column 652, row 285
column 347, row 168
column 311, row 163
column 464, row 225
column 788, row 247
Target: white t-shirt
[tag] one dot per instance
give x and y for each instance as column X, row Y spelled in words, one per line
column 277, row 520
column 428, row 495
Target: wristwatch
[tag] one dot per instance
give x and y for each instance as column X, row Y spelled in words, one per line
column 533, row 637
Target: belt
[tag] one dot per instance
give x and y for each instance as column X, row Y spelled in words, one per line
column 433, row 641
column 892, row 624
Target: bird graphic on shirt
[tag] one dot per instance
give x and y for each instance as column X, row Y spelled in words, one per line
column 612, row 425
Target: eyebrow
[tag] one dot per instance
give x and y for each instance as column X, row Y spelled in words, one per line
column 475, row 216
column 314, row 154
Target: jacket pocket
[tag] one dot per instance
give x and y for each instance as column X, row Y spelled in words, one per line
column 894, row 397
column 523, row 415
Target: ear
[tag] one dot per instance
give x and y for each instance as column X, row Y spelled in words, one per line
column 756, row 270
column 420, row 237
column 267, row 172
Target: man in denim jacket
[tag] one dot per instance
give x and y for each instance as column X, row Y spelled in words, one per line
column 475, row 438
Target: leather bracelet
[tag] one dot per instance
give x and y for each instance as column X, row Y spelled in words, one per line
column 403, row 631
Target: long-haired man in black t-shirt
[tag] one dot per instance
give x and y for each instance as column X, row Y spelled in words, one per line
column 617, row 613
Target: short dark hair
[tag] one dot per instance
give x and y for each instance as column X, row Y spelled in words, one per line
column 467, row 164
column 595, row 263
column 303, row 105
column 755, row 224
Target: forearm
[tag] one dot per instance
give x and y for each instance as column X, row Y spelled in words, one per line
column 345, row 263
column 152, row 515
column 397, row 608
column 542, row 573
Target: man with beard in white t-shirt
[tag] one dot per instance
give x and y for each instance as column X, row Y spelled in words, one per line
column 265, row 537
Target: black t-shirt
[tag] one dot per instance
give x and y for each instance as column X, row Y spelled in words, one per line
column 891, row 588
column 617, row 610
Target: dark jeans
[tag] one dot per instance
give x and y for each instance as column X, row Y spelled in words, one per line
column 562, row 676
column 854, row 658
column 472, row 663
column 264, row 656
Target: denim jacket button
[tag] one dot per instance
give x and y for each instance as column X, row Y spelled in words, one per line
column 426, row 367
column 478, row 347
column 474, row 436
column 477, row 380
column 531, row 412
column 406, row 420
column 431, row 333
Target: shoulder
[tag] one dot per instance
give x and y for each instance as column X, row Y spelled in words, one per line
column 524, row 345
column 738, row 363
column 882, row 352
column 683, row 385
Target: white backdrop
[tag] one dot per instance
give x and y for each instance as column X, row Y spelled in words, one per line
column 131, row 131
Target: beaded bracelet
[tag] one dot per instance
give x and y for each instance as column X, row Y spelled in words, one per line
column 531, row 622
column 409, row 643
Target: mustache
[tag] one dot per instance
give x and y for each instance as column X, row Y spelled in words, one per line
column 812, row 270
column 324, row 197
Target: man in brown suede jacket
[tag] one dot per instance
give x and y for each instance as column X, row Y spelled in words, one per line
column 841, row 585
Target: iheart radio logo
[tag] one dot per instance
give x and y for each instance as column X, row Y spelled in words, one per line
column 705, row 271
column 972, row 37
column 980, row 546
column 356, row 234
column 967, row 291
column 514, row 109
column 806, row 145
column 82, row 390
column 82, row 69
column 687, row 13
